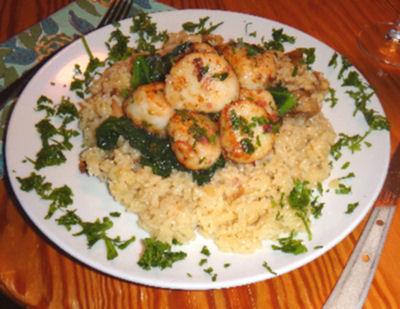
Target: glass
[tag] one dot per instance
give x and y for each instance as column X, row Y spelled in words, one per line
column 381, row 41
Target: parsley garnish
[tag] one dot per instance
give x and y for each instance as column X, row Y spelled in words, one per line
column 60, row 197
column 247, row 146
column 278, row 38
column 309, row 58
column 205, row 251
column 361, row 97
column 52, row 149
column 200, row 27
column 159, row 254
column 147, row 33
column 332, row 97
column 95, row 231
column 333, row 61
column 210, row 271
column 120, row 50
column 343, row 189
column 351, row 207
column 346, row 64
column 290, row 245
column 300, row 196
column 316, row 208
column 265, row 265
column 352, row 142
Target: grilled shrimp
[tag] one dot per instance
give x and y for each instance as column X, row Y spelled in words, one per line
column 194, row 139
column 245, row 131
column 147, row 108
column 254, row 70
column 201, row 81
column 262, row 98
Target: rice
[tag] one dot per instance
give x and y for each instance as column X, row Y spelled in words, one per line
column 242, row 205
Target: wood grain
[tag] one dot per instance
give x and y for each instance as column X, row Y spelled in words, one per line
column 34, row 272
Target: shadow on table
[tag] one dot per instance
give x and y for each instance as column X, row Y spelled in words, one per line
column 7, row 303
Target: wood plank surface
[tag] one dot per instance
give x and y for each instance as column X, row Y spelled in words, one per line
column 37, row 274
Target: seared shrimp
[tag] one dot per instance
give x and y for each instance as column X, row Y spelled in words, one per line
column 245, row 131
column 201, row 81
column 148, row 108
column 262, row 98
column 254, row 70
column 194, row 139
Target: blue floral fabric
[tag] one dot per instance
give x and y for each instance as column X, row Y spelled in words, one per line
column 23, row 51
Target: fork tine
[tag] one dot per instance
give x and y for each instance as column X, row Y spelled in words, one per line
column 118, row 10
column 110, row 10
column 124, row 11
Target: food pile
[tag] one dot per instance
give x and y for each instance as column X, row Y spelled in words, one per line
column 201, row 135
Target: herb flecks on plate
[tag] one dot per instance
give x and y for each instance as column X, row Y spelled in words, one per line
column 159, row 254
column 95, row 231
column 55, row 139
column 290, row 245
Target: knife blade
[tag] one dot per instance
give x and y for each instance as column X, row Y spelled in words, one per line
column 354, row 283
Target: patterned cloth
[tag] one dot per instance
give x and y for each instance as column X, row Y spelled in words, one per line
column 21, row 52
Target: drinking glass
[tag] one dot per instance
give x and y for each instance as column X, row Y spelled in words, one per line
column 381, row 41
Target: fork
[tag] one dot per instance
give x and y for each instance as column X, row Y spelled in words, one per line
column 118, row 10
column 353, row 285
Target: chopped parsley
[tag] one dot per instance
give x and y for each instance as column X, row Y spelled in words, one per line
column 120, row 50
column 353, row 143
column 351, row 207
column 60, row 197
column 332, row 97
column 267, row 267
column 361, row 97
column 205, row 251
column 343, row 189
column 220, row 76
column 346, row 64
column 308, row 56
column 95, row 231
column 278, row 38
column 300, row 196
column 247, row 146
column 345, row 165
column 200, row 27
column 82, row 80
column 210, row 271
column 147, row 33
column 159, row 254
column 54, row 140
column 316, row 208
column 290, row 245
column 284, row 99
column 333, row 61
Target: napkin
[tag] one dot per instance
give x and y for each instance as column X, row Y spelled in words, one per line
column 24, row 50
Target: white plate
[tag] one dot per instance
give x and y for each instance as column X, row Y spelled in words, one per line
column 93, row 201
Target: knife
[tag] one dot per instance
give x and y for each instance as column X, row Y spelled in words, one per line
column 354, row 283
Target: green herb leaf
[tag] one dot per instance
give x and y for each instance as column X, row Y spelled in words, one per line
column 300, row 196
column 290, row 245
column 278, row 38
column 351, row 207
column 265, row 265
column 159, row 254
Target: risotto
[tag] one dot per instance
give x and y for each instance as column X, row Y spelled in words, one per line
column 244, row 202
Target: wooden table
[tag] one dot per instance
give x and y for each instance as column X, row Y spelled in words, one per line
column 34, row 272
